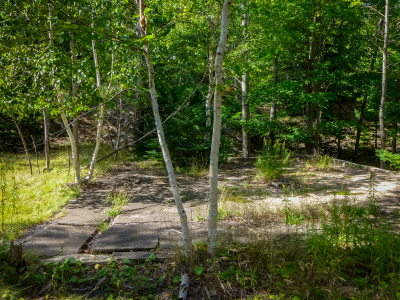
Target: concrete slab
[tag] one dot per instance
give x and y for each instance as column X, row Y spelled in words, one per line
column 123, row 238
column 58, row 240
column 149, row 215
column 88, row 209
column 86, row 259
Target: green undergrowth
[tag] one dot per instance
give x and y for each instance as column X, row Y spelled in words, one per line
column 344, row 250
column 273, row 159
column 33, row 199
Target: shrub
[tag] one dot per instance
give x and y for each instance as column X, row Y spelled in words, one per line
column 273, row 159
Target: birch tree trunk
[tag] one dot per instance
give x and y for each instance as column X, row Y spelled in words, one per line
column 210, row 88
column 272, row 112
column 216, row 137
column 101, row 117
column 71, row 137
column 46, row 137
column 245, row 116
column 187, row 243
column 46, row 121
column 75, row 125
column 28, row 158
column 364, row 103
column 384, row 80
column 245, row 103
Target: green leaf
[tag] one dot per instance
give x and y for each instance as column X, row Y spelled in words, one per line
column 73, row 279
column 127, row 261
column 198, row 270
column 229, row 82
column 149, row 36
column 152, row 256
column 82, row 280
column 60, row 40
column 398, row 295
column 177, row 279
column 219, row 87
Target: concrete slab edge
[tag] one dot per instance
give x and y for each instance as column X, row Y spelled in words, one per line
column 91, row 259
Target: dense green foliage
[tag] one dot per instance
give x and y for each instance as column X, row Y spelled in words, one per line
column 316, row 60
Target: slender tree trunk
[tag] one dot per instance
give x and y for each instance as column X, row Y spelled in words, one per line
column 46, row 120
column 116, row 143
column 210, row 88
column 37, row 159
column 384, row 80
column 75, row 125
column 187, row 243
column 364, row 103
column 46, row 137
column 101, row 117
column 245, row 102
column 126, row 129
column 309, row 126
column 272, row 113
column 216, row 137
column 71, row 138
column 395, row 125
column 245, row 116
column 28, row 158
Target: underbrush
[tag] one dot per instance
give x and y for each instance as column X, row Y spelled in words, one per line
column 345, row 250
column 33, row 199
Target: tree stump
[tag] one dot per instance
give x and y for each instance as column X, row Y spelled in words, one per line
column 15, row 255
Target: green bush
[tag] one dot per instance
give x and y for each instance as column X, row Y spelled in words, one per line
column 272, row 160
column 392, row 159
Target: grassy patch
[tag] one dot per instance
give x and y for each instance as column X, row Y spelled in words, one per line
column 33, row 199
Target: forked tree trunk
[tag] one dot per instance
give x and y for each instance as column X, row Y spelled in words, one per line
column 187, row 243
column 384, row 80
column 71, row 138
column 101, row 117
column 216, row 137
column 364, row 103
column 24, row 143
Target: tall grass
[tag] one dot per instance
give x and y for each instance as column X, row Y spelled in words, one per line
column 273, row 159
column 348, row 251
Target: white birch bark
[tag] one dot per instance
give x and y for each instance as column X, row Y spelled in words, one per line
column 210, row 87
column 101, row 117
column 216, row 136
column 245, row 103
column 245, row 116
column 187, row 243
column 75, row 133
column 384, row 80
column 71, row 136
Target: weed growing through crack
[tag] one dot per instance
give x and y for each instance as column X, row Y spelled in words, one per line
column 117, row 200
